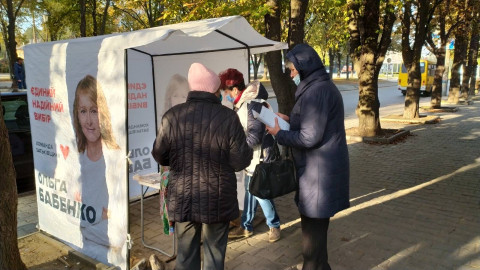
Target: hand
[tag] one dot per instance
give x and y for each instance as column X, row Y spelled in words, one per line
column 105, row 213
column 77, row 196
column 273, row 130
column 283, row 116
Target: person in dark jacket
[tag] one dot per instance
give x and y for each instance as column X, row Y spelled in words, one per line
column 245, row 100
column 319, row 147
column 204, row 144
column 19, row 73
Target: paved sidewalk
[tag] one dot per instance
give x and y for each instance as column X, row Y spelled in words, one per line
column 415, row 206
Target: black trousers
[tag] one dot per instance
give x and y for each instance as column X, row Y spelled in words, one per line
column 189, row 234
column 314, row 239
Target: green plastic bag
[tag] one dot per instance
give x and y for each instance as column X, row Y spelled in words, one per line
column 168, row 226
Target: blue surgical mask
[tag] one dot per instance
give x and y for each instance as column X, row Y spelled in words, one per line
column 230, row 98
column 296, row 79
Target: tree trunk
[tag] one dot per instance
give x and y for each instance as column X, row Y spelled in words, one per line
column 9, row 253
column 104, row 17
column 256, row 61
column 467, row 73
column 368, row 46
column 94, row 17
column 347, row 63
column 412, row 98
column 83, row 20
column 34, row 35
column 460, row 52
column 7, row 52
column 281, row 82
column 353, row 69
column 368, row 107
column 11, row 43
column 283, row 86
column 458, row 62
column 296, row 29
column 467, row 89
column 419, row 16
column 436, row 101
column 473, row 79
column 331, row 64
column 474, row 52
column 442, row 13
column 339, row 64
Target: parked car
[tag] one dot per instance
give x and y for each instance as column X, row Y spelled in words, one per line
column 17, row 120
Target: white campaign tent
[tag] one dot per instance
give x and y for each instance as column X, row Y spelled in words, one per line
column 96, row 101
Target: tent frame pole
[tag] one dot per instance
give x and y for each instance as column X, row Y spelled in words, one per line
column 241, row 42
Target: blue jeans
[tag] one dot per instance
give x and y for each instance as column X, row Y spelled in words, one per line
column 21, row 85
column 250, row 207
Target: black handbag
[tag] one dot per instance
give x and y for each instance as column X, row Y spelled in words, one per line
column 273, row 179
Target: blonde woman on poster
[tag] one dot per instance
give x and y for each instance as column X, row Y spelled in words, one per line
column 177, row 91
column 102, row 221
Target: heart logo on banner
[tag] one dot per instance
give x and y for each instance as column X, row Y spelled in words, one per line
column 65, row 149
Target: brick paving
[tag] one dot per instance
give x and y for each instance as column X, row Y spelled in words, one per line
column 415, row 205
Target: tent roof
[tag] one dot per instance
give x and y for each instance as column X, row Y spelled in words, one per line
column 232, row 32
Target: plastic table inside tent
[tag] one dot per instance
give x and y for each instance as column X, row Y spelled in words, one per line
column 150, row 181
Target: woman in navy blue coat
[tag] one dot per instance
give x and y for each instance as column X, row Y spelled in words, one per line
column 317, row 139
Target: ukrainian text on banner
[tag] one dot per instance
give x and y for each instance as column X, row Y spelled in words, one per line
column 77, row 115
column 141, row 119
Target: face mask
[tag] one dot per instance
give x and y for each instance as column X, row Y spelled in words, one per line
column 296, row 79
column 230, row 98
column 220, row 97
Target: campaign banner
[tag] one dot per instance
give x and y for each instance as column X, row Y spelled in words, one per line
column 141, row 119
column 77, row 115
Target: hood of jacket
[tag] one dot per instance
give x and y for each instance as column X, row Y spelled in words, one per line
column 306, row 61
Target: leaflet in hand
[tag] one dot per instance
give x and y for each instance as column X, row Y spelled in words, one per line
column 267, row 117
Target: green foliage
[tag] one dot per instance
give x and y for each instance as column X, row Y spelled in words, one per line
column 60, row 19
column 253, row 11
column 326, row 25
column 58, row 15
column 4, row 68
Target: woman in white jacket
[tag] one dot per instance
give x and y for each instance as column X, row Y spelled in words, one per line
column 245, row 99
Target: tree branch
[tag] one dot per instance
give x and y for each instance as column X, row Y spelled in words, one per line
column 18, row 7
column 133, row 16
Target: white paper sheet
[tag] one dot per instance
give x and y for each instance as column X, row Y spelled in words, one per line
column 267, row 117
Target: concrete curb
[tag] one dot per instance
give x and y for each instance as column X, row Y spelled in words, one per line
column 400, row 134
column 423, row 119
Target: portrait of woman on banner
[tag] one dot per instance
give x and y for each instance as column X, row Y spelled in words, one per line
column 102, row 223
column 176, row 92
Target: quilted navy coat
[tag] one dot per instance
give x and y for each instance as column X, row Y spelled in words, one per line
column 317, row 138
column 204, row 144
